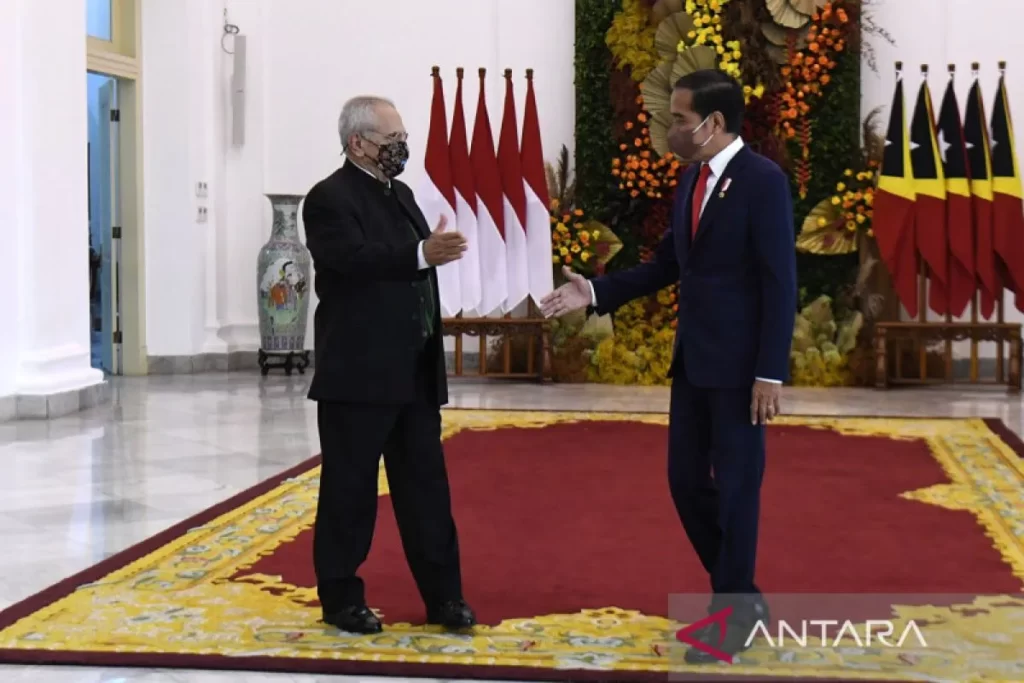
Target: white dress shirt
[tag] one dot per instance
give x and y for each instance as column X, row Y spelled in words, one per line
column 420, row 258
column 717, row 164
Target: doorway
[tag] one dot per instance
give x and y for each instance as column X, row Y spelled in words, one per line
column 104, row 241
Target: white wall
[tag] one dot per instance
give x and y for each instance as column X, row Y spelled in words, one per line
column 305, row 57
column 44, row 345
column 10, row 186
column 949, row 32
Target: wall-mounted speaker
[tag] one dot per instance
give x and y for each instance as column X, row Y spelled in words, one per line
column 238, row 92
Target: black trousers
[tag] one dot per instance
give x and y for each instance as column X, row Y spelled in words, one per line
column 716, row 464
column 353, row 436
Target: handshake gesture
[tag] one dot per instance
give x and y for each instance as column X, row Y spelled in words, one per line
column 442, row 246
column 572, row 296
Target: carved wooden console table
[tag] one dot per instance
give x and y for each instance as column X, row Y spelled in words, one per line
column 892, row 336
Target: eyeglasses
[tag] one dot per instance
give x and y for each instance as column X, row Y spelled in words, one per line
column 393, row 137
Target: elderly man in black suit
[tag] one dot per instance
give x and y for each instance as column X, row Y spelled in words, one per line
column 380, row 374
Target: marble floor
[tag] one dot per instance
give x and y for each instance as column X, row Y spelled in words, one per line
column 168, row 447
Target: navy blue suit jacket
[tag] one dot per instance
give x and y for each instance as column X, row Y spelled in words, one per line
column 737, row 276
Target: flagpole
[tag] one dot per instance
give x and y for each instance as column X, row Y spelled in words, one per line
column 949, row 291
column 976, row 298
column 922, row 289
column 1000, row 312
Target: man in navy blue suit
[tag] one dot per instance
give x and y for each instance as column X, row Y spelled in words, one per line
column 730, row 247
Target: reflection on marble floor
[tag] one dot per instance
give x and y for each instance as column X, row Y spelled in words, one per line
column 81, row 488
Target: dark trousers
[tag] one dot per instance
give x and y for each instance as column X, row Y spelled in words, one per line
column 352, row 439
column 716, row 460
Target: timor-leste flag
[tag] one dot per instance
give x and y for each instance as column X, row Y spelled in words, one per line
column 893, row 219
column 930, row 202
column 959, row 217
column 980, row 170
column 1007, row 207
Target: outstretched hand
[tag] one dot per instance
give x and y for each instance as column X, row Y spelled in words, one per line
column 442, row 246
column 572, row 296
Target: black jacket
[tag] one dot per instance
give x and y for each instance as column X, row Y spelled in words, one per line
column 368, row 334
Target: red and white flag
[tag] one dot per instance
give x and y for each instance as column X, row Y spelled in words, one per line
column 436, row 197
column 514, row 190
column 490, row 210
column 465, row 205
column 538, row 203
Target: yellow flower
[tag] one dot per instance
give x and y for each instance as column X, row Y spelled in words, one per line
column 575, row 248
column 861, row 218
column 595, row 234
column 585, row 256
column 851, row 226
column 841, row 186
column 836, row 201
column 822, row 222
column 848, row 172
column 555, row 259
column 563, row 251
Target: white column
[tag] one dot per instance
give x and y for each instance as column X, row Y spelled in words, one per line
column 49, row 204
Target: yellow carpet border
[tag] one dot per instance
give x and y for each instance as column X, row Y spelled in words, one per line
column 175, row 594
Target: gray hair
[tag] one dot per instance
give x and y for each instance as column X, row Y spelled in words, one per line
column 359, row 115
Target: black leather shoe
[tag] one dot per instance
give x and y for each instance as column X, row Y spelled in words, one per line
column 454, row 615
column 733, row 643
column 738, row 627
column 354, row 619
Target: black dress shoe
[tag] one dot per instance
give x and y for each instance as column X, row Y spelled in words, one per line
column 738, row 628
column 354, row 619
column 735, row 641
column 454, row 615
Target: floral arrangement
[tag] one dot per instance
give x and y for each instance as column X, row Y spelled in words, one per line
column 707, row 21
column 630, row 39
column 574, row 242
column 799, row 63
column 641, row 346
column 856, row 196
column 841, row 222
column 821, row 345
column 805, row 78
column 643, row 171
column 807, row 73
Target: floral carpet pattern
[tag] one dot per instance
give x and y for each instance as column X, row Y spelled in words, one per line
column 192, row 596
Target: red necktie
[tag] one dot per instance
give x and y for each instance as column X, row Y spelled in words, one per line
column 698, row 197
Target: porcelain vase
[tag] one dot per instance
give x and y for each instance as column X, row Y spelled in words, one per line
column 283, row 274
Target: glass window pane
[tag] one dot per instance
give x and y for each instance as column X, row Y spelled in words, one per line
column 98, row 19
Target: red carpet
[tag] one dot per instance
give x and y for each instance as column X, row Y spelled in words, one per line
column 577, row 516
column 559, row 516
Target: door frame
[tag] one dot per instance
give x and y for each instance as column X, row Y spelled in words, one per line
column 119, row 58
